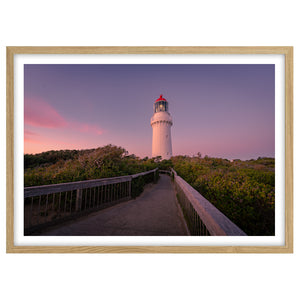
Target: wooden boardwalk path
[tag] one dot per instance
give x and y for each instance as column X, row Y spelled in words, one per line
column 154, row 213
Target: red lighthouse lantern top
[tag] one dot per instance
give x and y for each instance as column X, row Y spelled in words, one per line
column 161, row 104
column 160, row 98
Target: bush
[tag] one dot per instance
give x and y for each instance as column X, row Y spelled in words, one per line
column 243, row 190
column 103, row 162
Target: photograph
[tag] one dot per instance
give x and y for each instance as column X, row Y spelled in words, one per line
column 149, row 149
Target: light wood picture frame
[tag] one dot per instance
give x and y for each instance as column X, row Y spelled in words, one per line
column 287, row 52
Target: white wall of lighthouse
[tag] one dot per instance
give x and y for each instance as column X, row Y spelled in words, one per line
column 161, row 123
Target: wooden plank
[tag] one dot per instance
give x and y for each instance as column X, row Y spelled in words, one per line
column 69, row 186
column 65, row 187
column 148, row 249
column 143, row 173
column 151, row 50
column 9, row 148
column 289, row 78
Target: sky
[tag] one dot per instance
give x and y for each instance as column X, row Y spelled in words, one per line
column 219, row 110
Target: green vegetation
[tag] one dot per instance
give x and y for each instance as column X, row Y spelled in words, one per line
column 72, row 165
column 138, row 183
column 243, row 190
column 50, row 157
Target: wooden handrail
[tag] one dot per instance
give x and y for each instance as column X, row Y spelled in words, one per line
column 52, row 204
column 214, row 220
column 143, row 173
column 69, row 186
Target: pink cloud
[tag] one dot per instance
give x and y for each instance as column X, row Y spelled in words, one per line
column 88, row 128
column 30, row 136
column 40, row 113
column 41, row 119
column 29, row 133
column 46, row 144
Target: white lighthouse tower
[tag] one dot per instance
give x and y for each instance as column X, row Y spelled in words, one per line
column 161, row 123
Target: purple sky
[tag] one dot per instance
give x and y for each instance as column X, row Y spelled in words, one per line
column 218, row 110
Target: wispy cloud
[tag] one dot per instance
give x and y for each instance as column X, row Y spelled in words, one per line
column 89, row 128
column 29, row 133
column 41, row 143
column 39, row 113
column 31, row 137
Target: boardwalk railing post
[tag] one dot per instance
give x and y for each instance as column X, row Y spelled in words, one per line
column 129, row 188
column 78, row 199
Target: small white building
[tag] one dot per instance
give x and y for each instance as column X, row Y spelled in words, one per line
column 161, row 123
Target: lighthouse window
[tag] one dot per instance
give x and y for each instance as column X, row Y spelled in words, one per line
column 161, row 106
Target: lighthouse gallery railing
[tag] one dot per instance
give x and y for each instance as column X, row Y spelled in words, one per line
column 51, row 204
column 201, row 216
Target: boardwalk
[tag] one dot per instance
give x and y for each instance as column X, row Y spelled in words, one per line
column 154, row 213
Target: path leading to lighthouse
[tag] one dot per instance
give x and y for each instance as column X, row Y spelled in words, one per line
column 154, row 213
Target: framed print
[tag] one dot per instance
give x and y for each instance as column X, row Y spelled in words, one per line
column 149, row 149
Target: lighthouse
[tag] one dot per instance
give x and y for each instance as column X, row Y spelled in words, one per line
column 161, row 123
